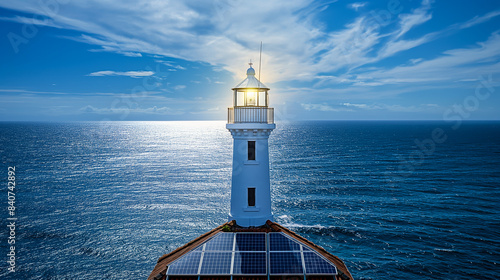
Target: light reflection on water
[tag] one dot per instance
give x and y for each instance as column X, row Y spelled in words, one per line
column 108, row 199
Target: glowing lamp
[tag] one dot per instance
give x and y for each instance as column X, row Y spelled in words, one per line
column 251, row 99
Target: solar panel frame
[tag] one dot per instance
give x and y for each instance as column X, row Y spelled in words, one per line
column 305, row 248
column 199, row 248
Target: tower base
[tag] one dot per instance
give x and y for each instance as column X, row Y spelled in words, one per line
column 251, row 221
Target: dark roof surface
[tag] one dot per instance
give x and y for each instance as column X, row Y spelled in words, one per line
column 160, row 270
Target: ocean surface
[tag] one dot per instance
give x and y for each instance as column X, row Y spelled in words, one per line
column 394, row 200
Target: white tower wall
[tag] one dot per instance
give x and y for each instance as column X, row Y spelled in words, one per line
column 250, row 174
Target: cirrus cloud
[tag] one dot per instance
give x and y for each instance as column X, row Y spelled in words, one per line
column 132, row 74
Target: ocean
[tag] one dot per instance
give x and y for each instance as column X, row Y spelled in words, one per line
column 393, row 199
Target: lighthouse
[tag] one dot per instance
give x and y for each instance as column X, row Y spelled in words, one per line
column 250, row 121
column 250, row 246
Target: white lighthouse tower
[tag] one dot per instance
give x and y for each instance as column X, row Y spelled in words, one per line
column 250, row 122
column 249, row 247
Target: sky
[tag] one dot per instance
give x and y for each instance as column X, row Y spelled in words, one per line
column 89, row 60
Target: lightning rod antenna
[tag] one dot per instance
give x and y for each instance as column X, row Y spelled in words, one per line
column 260, row 63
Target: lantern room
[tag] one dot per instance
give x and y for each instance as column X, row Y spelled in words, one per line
column 250, row 92
column 250, row 101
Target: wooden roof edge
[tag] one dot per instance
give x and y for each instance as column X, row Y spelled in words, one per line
column 345, row 273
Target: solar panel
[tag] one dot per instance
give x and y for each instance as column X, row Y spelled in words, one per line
column 250, row 263
column 279, row 242
column 286, row 256
column 251, row 242
column 317, row 265
column 216, row 263
column 221, row 242
column 285, row 263
column 186, row 265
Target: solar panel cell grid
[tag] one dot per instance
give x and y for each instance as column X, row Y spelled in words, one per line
column 186, row 265
column 215, row 263
column 279, row 242
column 285, row 263
column 221, row 242
column 250, row 257
column 251, row 242
column 316, row 265
column 250, row 263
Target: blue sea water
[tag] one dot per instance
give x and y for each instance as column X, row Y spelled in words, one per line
column 394, row 200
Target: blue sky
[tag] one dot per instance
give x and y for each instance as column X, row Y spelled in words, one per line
column 177, row 60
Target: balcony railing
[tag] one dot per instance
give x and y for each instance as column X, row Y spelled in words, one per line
column 250, row 115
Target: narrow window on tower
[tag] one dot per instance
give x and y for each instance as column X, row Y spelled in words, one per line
column 251, row 197
column 251, row 150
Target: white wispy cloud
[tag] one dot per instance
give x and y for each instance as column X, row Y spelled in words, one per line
column 393, row 47
column 479, row 19
column 150, row 110
column 360, row 106
column 357, row 5
column 417, row 17
column 323, row 107
column 198, row 32
column 117, row 50
column 357, row 107
column 226, row 34
column 392, row 107
column 452, row 65
column 179, row 87
column 132, row 74
column 170, row 64
column 32, row 21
